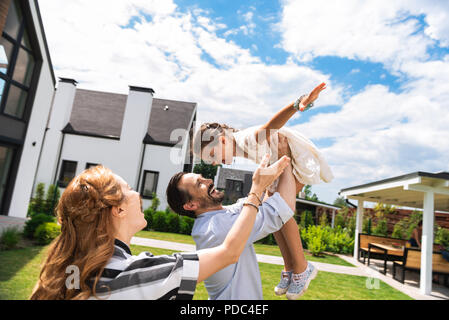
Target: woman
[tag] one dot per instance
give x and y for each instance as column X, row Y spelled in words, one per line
column 99, row 213
column 415, row 238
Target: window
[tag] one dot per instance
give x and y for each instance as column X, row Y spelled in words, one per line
column 6, row 155
column 234, row 186
column 89, row 165
column 149, row 185
column 17, row 63
column 68, row 171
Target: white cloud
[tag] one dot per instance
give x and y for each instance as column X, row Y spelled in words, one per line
column 376, row 134
column 176, row 53
column 380, row 31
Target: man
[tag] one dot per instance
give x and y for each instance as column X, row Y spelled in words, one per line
column 192, row 195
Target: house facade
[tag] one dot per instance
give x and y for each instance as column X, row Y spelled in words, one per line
column 142, row 139
column 26, row 91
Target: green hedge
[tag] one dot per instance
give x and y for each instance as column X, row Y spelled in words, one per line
column 318, row 239
column 168, row 221
column 46, row 232
column 35, row 221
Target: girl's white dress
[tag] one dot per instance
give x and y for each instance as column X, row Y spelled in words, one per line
column 309, row 166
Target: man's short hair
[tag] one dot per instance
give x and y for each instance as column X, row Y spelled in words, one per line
column 177, row 197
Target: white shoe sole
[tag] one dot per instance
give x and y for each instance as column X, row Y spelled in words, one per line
column 296, row 296
column 279, row 291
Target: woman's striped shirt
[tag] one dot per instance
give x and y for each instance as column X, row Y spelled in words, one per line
column 148, row 277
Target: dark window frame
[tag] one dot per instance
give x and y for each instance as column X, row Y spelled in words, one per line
column 156, row 181
column 25, row 24
column 11, row 176
column 60, row 182
column 91, row 164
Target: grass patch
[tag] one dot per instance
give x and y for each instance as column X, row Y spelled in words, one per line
column 19, row 271
column 260, row 248
column 17, row 279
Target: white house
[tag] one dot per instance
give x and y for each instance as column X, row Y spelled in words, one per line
column 143, row 139
column 27, row 85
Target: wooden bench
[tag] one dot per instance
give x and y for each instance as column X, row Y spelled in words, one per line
column 366, row 239
column 412, row 261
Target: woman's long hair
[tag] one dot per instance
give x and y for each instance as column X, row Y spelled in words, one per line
column 87, row 235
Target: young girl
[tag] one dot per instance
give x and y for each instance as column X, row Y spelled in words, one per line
column 218, row 143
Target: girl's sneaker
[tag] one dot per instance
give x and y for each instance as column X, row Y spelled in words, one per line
column 282, row 287
column 300, row 282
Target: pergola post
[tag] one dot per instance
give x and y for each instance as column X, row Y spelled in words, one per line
column 358, row 227
column 427, row 244
column 333, row 218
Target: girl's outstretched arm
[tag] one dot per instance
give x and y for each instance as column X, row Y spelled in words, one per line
column 281, row 117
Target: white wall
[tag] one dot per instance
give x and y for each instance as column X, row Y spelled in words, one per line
column 157, row 158
column 35, row 133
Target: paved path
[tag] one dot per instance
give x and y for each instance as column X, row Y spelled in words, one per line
column 260, row 257
column 359, row 269
column 11, row 222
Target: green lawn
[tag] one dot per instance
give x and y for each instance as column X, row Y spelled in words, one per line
column 20, row 269
column 260, row 248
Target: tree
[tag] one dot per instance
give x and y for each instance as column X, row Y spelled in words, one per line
column 340, row 202
column 309, row 195
column 51, row 199
column 37, row 204
column 208, row 171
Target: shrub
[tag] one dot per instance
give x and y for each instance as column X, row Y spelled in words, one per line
column 148, row 215
column 323, row 219
column 159, row 221
column 317, row 246
column 340, row 241
column 51, row 199
column 36, row 220
column 306, row 219
column 9, row 238
column 367, row 225
column 46, row 232
column 442, row 236
column 172, row 221
column 351, row 225
column 381, row 228
column 186, row 224
column 399, row 230
column 37, row 203
column 268, row 240
column 341, row 217
column 316, row 238
column 155, row 202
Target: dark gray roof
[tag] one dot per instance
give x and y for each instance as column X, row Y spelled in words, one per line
column 100, row 114
column 166, row 116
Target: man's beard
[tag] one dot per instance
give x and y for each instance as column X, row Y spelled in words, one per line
column 212, row 200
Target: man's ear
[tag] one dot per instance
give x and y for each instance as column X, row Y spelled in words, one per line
column 190, row 206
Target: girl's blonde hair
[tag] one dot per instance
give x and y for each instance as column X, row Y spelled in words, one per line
column 208, row 133
column 87, row 235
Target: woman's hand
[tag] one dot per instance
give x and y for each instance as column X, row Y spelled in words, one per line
column 312, row 96
column 265, row 175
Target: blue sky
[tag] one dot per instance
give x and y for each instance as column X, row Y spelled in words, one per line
column 386, row 63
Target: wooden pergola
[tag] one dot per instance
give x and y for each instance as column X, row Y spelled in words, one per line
column 423, row 190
